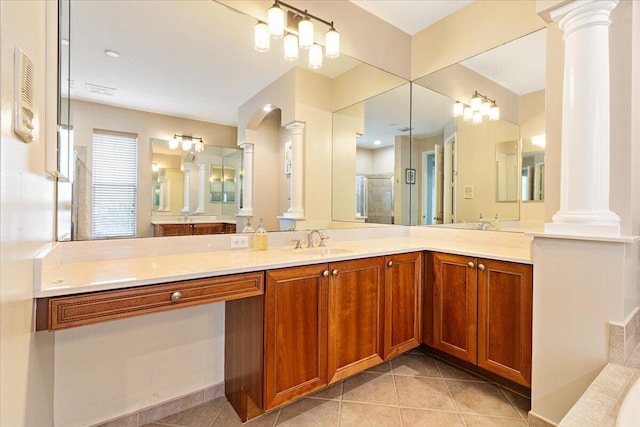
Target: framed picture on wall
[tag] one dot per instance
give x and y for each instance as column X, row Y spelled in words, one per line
column 288, row 154
column 410, row 176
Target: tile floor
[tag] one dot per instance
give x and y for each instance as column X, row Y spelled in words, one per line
column 411, row 390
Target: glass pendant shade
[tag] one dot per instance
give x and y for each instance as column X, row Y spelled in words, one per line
column 475, row 103
column 458, row 109
column 494, row 113
column 477, row 117
column 305, row 33
column 261, row 37
column 275, row 19
column 186, row 145
column 174, row 143
column 290, row 47
column 468, row 113
column 485, row 108
column 315, row 56
column 332, row 43
column 199, row 146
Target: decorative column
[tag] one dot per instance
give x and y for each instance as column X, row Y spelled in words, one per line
column 296, row 210
column 202, row 179
column 161, row 196
column 584, row 186
column 185, row 204
column 247, row 180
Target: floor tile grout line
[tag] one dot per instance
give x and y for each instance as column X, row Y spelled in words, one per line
column 219, row 411
column 446, row 384
column 340, row 403
column 503, row 390
column 395, row 390
column 277, row 418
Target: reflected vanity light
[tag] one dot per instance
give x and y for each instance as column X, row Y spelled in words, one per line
column 539, row 140
column 377, row 142
column 481, row 106
column 154, row 167
column 276, row 27
column 187, row 142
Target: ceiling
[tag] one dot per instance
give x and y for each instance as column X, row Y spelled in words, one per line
column 411, row 16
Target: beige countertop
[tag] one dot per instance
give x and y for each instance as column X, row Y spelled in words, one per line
column 57, row 276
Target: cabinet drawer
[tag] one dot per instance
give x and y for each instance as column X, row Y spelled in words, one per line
column 77, row 310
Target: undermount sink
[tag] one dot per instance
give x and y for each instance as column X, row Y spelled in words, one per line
column 325, row 251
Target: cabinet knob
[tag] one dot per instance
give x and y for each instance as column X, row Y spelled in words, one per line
column 481, row 267
column 176, row 296
column 390, row 264
column 325, row 273
column 334, row 273
column 471, row 264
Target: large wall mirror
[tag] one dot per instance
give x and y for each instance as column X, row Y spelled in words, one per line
column 471, row 169
column 127, row 88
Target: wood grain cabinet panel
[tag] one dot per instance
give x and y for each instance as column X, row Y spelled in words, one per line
column 403, row 303
column 295, row 333
column 84, row 309
column 455, row 305
column 356, row 303
column 208, row 228
column 193, row 229
column 505, row 292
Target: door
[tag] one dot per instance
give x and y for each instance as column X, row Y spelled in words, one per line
column 449, row 182
column 504, row 319
column 439, row 184
column 403, row 296
column 295, row 332
column 356, row 303
column 454, row 305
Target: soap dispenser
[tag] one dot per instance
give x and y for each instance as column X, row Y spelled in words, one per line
column 496, row 223
column 247, row 227
column 261, row 239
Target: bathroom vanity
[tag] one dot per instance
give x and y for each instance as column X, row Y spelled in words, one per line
column 299, row 320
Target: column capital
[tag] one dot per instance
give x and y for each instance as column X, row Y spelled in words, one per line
column 247, row 147
column 295, row 127
column 583, row 13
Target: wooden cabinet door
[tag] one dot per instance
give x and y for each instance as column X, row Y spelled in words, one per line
column 295, row 332
column 504, row 319
column 174, row 230
column 356, row 304
column 455, row 305
column 402, row 284
column 208, row 228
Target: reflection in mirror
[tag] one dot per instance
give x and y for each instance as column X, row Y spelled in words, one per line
column 370, row 154
column 151, row 86
column 532, row 169
column 482, row 164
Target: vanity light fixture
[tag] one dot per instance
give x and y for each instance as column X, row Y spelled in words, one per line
column 539, row 140
column 481, row 107
column 275, row 28
column 187, row 143
column 154, row 167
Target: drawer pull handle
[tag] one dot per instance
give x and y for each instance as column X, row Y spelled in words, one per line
column 176, row 296
column 334, row 273
column 325, row 273
column 481, row 267
column 470, row 264
column 390, row 264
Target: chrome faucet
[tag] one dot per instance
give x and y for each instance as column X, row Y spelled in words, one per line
column 323, row 237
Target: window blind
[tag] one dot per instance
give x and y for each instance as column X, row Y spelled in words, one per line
column 114, row 184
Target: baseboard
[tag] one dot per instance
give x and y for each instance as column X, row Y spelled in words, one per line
column 624, row 338
column 538, row 421
column 164, row 409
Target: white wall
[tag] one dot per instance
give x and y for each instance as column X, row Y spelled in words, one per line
column 26, row 228
column 364, row 160
column 384, row 160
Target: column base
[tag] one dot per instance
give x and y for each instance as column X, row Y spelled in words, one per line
column 584, row 223
column 293, row 215
column 289, row 224
column 245, row 212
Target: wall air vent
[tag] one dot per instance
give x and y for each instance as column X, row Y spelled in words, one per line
column 100, row 90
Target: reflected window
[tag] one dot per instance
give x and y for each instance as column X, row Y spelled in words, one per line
column 114, row 184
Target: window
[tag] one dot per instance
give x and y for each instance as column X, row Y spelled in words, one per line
column 114, row 184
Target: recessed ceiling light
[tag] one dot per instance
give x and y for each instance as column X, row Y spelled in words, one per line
column 64, row 42
column 112, row 53
column 377, row 142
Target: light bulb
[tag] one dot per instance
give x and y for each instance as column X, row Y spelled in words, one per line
column 261, row 40
column 290, row 47
column 494, row 113
column 315, row 56
column 305, row 33
column 199, row 146
column 173, row 143
column 186, row 144
column 458, row 109
column 332, row 43
column 476, row 101
column 154, row 167
column 468, row 113
column 485, row 108
column 275, row 19
column 477, row 117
